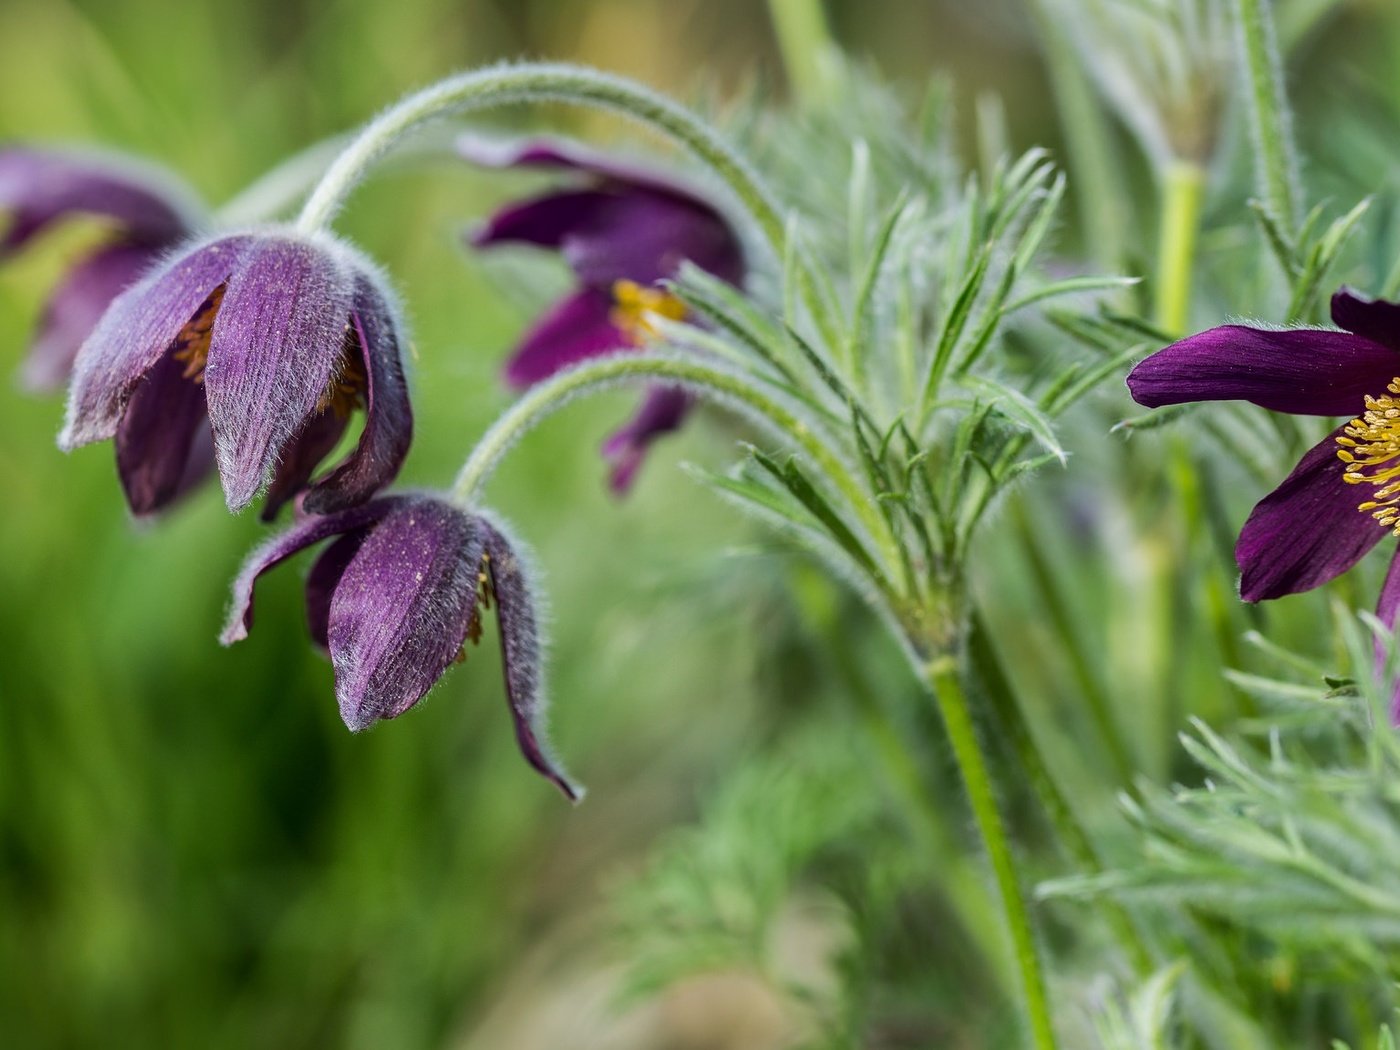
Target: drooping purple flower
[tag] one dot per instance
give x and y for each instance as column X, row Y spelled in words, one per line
column 624, row 231
column 394, row 599
column 1344, row 494
column 146, row 212
column 273, row 337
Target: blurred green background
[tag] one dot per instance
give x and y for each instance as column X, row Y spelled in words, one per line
column 193, row 851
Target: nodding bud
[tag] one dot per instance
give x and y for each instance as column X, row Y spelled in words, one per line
column 395, row 598
column 268, row 340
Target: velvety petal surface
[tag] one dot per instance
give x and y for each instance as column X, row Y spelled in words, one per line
column 302, row 534
column 1307, row 531
column 76, row 305
column 322, row 581
column 1375, row 319
column 545, row 221
column 38, row 186
column 276, row 343
column 388, row 430
column 1388, row 611
column 520, row 657
column 401, row 610
column 137, row 329
column 156, row 435
column 578, row 327
column 663, row 411
column 300, row 457
column 562, row 154
column 1303, row 371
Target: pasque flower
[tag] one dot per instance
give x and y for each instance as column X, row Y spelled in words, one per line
column 145, row 213
column 1344, row 494
column 273, row 338
column 395, row 598
column 623, row 230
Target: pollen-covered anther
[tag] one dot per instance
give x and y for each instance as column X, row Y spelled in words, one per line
column 346, row 390
column 635, row 306
column 1370, row 447
column 192, row 344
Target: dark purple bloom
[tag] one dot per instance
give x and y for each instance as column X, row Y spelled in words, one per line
column 395, row 597
column 146, row 212
column 273, row 338
column 1344, row 494
column 624, row 231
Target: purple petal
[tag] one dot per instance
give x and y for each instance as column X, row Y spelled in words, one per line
column 662, row 412
column 388, row 431
column 544, row 221
column 1375, row 319
column 577, row 328
column 322, row 581
column 1388, row 611
column 402, row 609
column 558, row 153
column 39, row 186
column 277, row 340
column 1307, row 531
column 1305, row 371
column 136, row 331
column 76, row 305
column 520, row 657
column 158, row 430
column 300, row 457
column 302, row 534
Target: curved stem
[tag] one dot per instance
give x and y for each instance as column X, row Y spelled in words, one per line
column 941, row 676
column 502, row 85
column 704, row 378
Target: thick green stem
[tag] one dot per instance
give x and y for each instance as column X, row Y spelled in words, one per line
column 504, row 85
column 996, row 687
column 1183, row 184
column 942, row 678
column 1270, row 123
column 804, row 39
column 730, row 388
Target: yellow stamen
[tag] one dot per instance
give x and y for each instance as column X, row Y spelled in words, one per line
column 635, row 305
column 192, row 344
column 1370, row 448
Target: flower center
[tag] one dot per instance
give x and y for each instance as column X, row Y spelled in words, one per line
column 635, row 305
column 1370, row 448
column 192, row 344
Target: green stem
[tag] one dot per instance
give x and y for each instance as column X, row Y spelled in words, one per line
column 1183, row 184
column 504, row 85
column 730, row 388
column 1276, row 169
column 991, row 676
column 1093, row 166
column 942, row 679
column 804, row 39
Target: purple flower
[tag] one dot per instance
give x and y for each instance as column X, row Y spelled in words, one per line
column 1344, row 494
column 623, row 231
column 273, row 338
column 146, row 212
column 395, row 598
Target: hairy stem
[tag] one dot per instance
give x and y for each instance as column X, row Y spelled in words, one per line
column 942, row 678
column 730, row 388
column 540, row 82
column 1270, row 122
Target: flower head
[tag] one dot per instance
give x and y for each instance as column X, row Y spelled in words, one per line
column 146, row 212
column 1344, row 494
column 395, row 598
column 624, row 231
column 273, row 338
